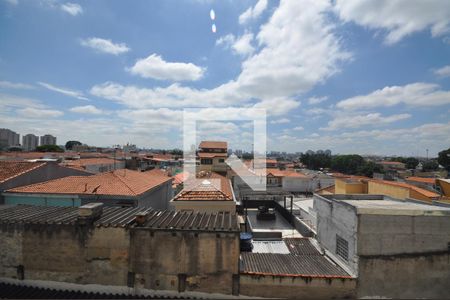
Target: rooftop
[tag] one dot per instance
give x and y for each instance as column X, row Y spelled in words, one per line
column 298, row 258
column 122, row 217
column 207, row 187
column 280, row 226
column 119, row 182
column 12, row 169
column 90, row 161
column 213, row 145
column 419, row 190
column 211, row 154
column 382, row 205
column 422, row 179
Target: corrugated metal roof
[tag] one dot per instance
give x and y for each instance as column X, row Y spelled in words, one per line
column 301, row 246
column 20, row 291
column 122, row 217
column 290, row 265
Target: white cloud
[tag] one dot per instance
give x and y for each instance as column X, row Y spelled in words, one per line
column 399, row 18
column 298, row 128
column 64, row 91
column 443, row 72
column 414, row 94
column 105, row 46
column 9, row 102
column 72, row 8
column 316, row 100
column 372, row 119
column 280, row 121
column 298, row 50
column 242, row 45
column 31, row 112
column 87, row 109
column 253, row 12
column 15, row 85
column 154, row 66
column 13, row 2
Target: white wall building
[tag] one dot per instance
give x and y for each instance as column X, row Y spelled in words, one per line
column 30, row 142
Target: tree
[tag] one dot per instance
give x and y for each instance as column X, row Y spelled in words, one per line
column 49, row 148
column 70, row 144
column 411, row 162
column 444, row 159
column 430, row 165
column 348, row 164
column 368, row 168
column 317, row 160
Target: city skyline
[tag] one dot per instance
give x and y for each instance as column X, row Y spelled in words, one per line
column 344, row 76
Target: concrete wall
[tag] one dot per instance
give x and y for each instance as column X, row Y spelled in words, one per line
column 297, row 287
column 407, row 277
column 158, row 198
column 195, row 262
column 297, row 184
column 42, row 200
column 64, row 253
column 400, row 234
column 335, row 219
column 343, row 187
column 397, row 192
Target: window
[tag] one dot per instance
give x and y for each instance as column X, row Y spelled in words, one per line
column 221, row 160
column 206, row 161
column 341, row 247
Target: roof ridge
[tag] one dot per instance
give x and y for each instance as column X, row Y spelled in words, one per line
column 28, row 170
column 117, row 176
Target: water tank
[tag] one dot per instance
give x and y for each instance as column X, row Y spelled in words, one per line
column 246, row 242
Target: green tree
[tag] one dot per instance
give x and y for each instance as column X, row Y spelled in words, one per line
column 49, row 148
column 430, row 165
column 411, row 162
column 348, row 164
column 444, row 159
column 368, row 168
column 317, row 160
column 70, row 144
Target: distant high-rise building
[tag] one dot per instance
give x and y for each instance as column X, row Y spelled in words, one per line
column 48, row 140
column 30, row 142
column 8, row 138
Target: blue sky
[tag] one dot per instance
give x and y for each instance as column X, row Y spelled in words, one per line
column 368, row 77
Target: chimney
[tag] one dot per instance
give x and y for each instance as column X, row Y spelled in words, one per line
column 141, row 218
column 90, row 211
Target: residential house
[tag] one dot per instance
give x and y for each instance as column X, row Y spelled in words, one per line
column 212, row 155
column 95, row 165
column 21, row 173
column 209, row 192
column 115, row 188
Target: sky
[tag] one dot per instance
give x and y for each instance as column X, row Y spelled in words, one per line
column 353, row 76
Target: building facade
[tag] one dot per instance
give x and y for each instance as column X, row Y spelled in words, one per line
column 212, row 155
column 48, row 140
column 30, row 142
column 8, row 138
column 397, row 249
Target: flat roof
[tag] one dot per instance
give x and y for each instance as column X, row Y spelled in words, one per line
column 383, row 205
column 280, row 224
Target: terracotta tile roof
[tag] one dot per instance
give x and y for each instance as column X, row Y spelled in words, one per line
column 271, row 161
column 211, row 155
column 212, row 187
column 419, row 190
column 11, row 169
column 180, row 177
column 284, row 173
column 120, row 182
column 90, row 161
column 213, row 145
column 390, row 163
column 422, row 179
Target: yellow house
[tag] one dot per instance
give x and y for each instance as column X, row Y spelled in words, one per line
column 394, row 189
column 212, row 155
column 444, row 185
